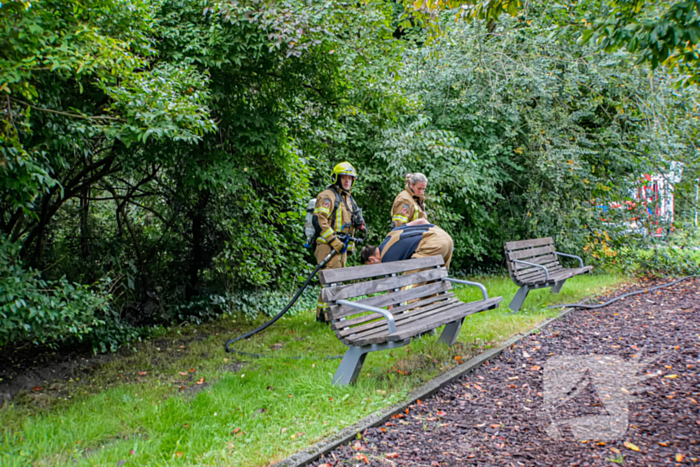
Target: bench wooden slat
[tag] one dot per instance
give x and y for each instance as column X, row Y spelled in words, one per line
column 344, row 292
column 341, row 324
column 523, row 255
column 543, row 260
column 399, row 318
column 420, row 327
column 558, row 275
column 330, row 276
column 379, row 335
column 511, row 246
column 341, row 311
column 523, row 275
column 432, row 322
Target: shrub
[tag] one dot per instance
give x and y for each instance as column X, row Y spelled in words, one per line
column 53, row 312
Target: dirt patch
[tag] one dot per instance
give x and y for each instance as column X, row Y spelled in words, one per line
column 39, row 372
column 35, row 369
column 235, row 367
column 619, row 385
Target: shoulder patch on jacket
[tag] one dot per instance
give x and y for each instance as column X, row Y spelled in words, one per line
column 405, row 208
column 326, row 203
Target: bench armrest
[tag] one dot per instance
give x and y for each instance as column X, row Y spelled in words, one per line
column 546, row 271
column 477, row 284
column 387, row 315
column 570, row 256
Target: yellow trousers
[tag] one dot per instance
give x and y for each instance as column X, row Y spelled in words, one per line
column 336, row 262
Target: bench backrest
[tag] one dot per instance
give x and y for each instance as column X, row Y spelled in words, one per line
column 392, row 283
column 538, row 251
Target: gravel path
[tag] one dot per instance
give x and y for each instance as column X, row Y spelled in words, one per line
column 614, row 386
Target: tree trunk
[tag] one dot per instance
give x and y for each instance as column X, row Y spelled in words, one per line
column 197, row 252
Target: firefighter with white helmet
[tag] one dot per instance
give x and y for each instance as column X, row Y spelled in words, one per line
column 336, row 212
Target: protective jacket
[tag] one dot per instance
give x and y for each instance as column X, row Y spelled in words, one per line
column 332, row 222
column 416, row 241
column 407, row 207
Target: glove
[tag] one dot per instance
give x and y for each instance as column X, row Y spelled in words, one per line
column 337, row 245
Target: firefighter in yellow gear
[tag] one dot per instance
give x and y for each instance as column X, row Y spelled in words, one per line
column 333, row 213
column 409, row 205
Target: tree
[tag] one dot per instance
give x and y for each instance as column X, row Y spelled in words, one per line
column 659, row 33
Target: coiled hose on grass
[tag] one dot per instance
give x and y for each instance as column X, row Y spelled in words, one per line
column 629, row 294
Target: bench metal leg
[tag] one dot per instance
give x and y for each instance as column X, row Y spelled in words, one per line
column 354, row 358
column 519, row 298
column 557, row 286
column 350, row 366
column 451, row 332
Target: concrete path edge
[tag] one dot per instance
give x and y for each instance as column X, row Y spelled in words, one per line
column 328, row 444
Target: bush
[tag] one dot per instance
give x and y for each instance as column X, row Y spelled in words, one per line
column 54, row 312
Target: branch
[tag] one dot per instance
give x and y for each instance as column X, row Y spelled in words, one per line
column 68, row 114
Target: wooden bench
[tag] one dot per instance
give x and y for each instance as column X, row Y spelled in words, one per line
column 418, row 292
column 534, row 264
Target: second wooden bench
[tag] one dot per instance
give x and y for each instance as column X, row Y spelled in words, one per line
column 534, row 264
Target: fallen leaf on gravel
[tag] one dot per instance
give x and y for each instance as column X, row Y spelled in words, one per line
column 663, row 444
column 624, row 390
column 201, row 381
column 36, row 388
column 631, row 446
column 679, row 457
column 325, row 465
column 615, row 450
column 358, row 446
column 435, row 464
column 441, row 413
column 398, row 415
column 671, row 376
column 535, row 368
column 182, row 373
column 191, row 370
column 495, row 426
column 392, row 455
column 362, row 457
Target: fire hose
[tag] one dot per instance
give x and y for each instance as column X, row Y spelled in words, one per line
column 346, row 239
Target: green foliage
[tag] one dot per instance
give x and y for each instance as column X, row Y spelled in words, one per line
column 173, row 145
column 48, row 312
column 665, row 33
column 658, row 33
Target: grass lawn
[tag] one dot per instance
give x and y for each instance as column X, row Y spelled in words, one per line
column 180, row 400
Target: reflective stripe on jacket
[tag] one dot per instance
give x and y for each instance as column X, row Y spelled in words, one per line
column 329, row 223
column 407, row 207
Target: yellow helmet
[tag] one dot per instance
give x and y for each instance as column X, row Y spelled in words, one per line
column 344, row 168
